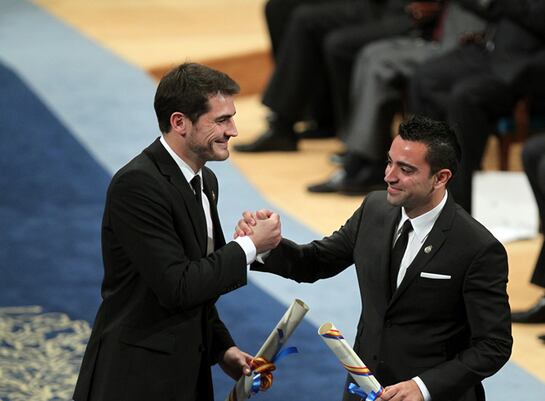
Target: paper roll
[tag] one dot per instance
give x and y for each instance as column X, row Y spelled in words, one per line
column 351, row 361
column 276, row 340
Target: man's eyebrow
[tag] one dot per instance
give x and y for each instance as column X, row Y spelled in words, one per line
column 400, row 163
column 404, row 164
column 224, row 116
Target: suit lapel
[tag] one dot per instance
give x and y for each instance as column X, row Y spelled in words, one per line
column 390, row 224
column 429, row 248
column 168, row 167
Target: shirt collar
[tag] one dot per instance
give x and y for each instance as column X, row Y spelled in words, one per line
column 423, row 224
column 184, row 167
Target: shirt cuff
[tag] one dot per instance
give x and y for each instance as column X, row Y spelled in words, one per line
column 423, row 389
column 248, row 247
column 262, row 256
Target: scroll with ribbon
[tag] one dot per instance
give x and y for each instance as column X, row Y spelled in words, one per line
column 271, row 352
column 368, row 387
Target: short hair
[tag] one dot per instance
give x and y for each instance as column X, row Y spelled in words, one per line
column 443, row 148
column 186, row 89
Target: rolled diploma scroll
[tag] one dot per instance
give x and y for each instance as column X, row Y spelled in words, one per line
column 278, row 337
column 350, row 360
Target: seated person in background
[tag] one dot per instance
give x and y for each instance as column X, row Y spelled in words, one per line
column 533, row 158
column 301, row 71
column 377, row 90
column 480, row 81
column 277, row 16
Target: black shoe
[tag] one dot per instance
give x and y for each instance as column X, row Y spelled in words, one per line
column 536, row 314
column 367, row 180
column 338, row 158
column 331, row 185
column 270, row 141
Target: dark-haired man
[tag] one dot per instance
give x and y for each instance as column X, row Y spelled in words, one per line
column 165, row 258
column 435, row 319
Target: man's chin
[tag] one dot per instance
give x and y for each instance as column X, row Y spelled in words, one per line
column 394, row 200
column 221, row 155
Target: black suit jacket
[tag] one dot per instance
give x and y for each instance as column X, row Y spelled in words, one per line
column 157, row 330
column 452, row 333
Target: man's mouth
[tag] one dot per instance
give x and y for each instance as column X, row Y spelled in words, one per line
column 393, row 190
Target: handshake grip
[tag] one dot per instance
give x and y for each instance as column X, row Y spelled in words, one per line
column 263, row 227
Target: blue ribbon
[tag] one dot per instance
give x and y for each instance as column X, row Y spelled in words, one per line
column 256, row 380
column 284, row 353
column 356, row 390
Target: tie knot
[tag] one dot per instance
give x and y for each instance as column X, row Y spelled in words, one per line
column 196, row 184
column 407, row 227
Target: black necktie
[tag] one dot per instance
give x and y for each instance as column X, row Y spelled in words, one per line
column 196, row 184
column 397, row 253
column 209, row 237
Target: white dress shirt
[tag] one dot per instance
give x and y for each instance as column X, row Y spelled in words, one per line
column 245, row 242
column 422, row 226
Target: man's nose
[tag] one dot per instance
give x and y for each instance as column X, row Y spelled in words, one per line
column 231, row 129
column 389, row 174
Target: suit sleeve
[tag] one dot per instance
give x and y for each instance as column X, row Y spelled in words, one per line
column 318, row 259
column 530, row 79
column 140, row 214
column 490, row 10
column 221, row 339
column 489, row 321
column 526, row 13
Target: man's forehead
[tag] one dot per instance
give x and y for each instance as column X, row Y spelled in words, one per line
column 408, row 151
column 222, row 102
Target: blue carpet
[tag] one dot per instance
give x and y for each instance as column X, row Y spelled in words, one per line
column 50, row 208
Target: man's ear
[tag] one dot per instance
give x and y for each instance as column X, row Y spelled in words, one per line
column 179, row 123
column 442, row 177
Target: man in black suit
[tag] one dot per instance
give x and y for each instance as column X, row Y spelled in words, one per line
column 165, row 258
column 481, row 80
column 435, row 319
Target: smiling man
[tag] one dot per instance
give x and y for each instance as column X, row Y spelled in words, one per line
column 165, row 258
column 435, row 319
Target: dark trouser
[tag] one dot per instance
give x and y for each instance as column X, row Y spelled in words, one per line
column 277, row 16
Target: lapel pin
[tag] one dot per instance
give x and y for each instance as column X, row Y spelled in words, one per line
column 428, row 249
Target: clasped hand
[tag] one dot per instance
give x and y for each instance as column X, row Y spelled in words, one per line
column 263, row 228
